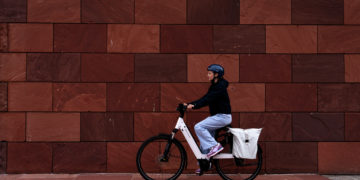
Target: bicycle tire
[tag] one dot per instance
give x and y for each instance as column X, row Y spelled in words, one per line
column 162, row 139
column 252, row 176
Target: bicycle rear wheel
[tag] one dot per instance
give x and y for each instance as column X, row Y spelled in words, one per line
column 155, row 162
column 240, row 168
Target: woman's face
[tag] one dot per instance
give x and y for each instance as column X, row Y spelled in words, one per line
column 211, row 75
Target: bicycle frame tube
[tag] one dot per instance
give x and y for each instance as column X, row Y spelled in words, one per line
column 194, row 147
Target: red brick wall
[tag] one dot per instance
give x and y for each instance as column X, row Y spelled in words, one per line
column 84, row 82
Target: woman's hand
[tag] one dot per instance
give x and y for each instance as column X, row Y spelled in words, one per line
column 189, row 106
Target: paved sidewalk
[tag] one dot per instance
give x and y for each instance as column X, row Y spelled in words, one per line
column 118, row 176
column 343, row 177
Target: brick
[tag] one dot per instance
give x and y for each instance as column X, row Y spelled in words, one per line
column 239, row 39
column 30, row 96
column 13, row 67
column 338, row 97
column 79, row 97
column 317, row 12
column 12, row 126
column 80, row 37
column 107, row 127
column 53, row 127
column 339, row 157
column 291, row 97
column 197, row 66
column 121, row 156
column 133, row 97
column 3, row 37
column 3, row 158
column 318, row 127
column 130, row 38
column 265, row 12
column 64, row 67
column 276, row 126
column 31, row 37
column 213, row 12
column 147, row 125
column 351, row 13
column 273, row 68
column 352, row 125
column 160, row 68
column 29, row 158
column 247, row 97
column 186, row 39
column 107, row 67
column 291, row 157
column 352, row 67
column 79, row 157
column 13, row 11
column 291, row 39
column 175, row 93
column 3, row 96
column 160, row 12
column 55, row 11
column 318, row 68
column 339, row 39
column 111, row 11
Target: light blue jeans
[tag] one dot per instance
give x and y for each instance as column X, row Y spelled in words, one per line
column 205, row 130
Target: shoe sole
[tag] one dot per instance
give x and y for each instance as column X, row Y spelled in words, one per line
column 222, row 148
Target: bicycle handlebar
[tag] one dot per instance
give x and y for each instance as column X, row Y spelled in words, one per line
column 181, row 108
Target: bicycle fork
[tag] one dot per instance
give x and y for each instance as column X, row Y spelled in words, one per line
column 165, row 157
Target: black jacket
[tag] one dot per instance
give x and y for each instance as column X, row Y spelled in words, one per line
column 217, row 98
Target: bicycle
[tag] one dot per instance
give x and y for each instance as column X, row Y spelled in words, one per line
column 164, row 149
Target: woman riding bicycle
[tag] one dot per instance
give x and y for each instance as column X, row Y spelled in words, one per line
column 217, row 99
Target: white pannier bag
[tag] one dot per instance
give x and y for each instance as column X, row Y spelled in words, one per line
column 245, row 142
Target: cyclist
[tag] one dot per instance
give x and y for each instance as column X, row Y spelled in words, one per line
column 217, row 99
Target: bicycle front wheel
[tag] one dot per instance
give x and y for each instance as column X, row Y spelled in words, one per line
column 161, row 158
column 240, row 168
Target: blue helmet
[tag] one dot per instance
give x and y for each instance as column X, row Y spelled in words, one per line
column 216, row 68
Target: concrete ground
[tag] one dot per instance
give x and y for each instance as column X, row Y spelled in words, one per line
column 121, row 176
column 343, row 177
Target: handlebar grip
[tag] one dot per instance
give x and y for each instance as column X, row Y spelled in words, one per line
column 181, row 107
